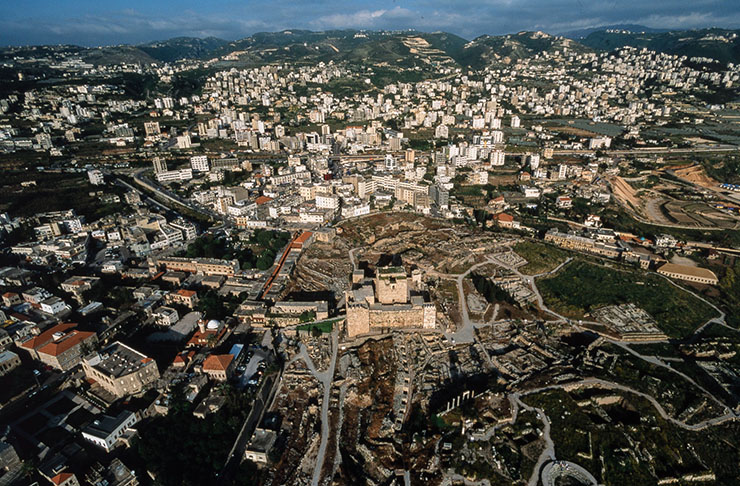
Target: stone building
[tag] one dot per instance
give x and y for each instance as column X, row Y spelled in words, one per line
column 385, row 303
column 121, row 370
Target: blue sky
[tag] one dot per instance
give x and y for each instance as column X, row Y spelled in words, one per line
column 104, row 22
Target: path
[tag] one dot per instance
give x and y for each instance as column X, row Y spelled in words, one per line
column 326, row 379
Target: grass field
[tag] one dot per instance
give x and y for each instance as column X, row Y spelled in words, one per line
column 540, row 257
column 325, row 326
column 581, row 287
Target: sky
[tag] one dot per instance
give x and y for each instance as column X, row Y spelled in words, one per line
column 106, row 22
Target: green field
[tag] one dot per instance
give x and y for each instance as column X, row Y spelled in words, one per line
column 581, row 287
column 540, row 257
column 325, row 326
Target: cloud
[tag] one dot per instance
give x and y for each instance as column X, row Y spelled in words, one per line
column 49, row 21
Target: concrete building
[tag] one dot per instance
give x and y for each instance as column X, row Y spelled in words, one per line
column 96, row 177
column 204, row 266
column 105, row 431
column 689, row 273
column 199, row 163
column 259, row 446
column 8, row 362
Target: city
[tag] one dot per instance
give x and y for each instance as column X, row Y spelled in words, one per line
column 372, row 256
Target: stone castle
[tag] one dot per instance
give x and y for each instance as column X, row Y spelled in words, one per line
column 385, row 303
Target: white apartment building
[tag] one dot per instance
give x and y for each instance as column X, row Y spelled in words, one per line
column 199, row 163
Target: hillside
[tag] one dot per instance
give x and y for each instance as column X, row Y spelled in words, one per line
column 720, row 44
column 487, row 49
column 384, row 49
column 373, row 48
column 183, row 48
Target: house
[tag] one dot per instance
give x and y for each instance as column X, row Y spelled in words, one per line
column 78, row 285
column 61, row 346
column 105, row 431
column 8, row 362
column 219, row 366
column 564, row 202
column 11, row 298
column 259, row 446
column 53, row 306
column 185, row 297
column 182, row 360
column 504, row 220
column 35, row 295
column 65, row 479
column 165, row 316
column 210, row 404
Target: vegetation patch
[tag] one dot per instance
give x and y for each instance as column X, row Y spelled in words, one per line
column 540, row 257
column 582, row 287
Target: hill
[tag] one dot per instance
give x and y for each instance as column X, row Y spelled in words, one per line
column 720, row 44
column 179, row 48
column 583, row 33
column 403, row 49
column 488, row 49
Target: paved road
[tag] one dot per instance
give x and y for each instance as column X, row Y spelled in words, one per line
column 651, row 150
column 142, row 181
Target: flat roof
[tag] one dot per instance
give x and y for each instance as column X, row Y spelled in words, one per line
column 688, row 270
column 104, row 425
column 119, row 360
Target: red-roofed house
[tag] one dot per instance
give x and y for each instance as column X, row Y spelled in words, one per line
column 183, row 359
column 262, row 200
column 184, row 297
column 65, row 479
column 219, row 366
column 66, row 352
column 504, row 220
column 60, row 346
column 11, row 299
column 206, row 337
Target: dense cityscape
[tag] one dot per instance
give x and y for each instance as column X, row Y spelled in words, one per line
column 372, row 257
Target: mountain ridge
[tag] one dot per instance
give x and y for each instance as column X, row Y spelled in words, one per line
column 407, row 48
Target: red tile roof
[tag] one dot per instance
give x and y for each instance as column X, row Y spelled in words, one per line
column 186, row 293
column 69, row 341
column 61, row 478
column 217, row 362
column 263, row 200
column 46, row 336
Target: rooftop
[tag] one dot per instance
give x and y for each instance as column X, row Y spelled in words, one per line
column 48, row 335
column 105, row 425
column 65, row 343
column 688, row 270
column 217, row 362
column 118, row 360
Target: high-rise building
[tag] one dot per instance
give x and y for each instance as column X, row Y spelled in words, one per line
column 160, row 165
column 199, row 163
column 151, row 129
column 96, row 177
